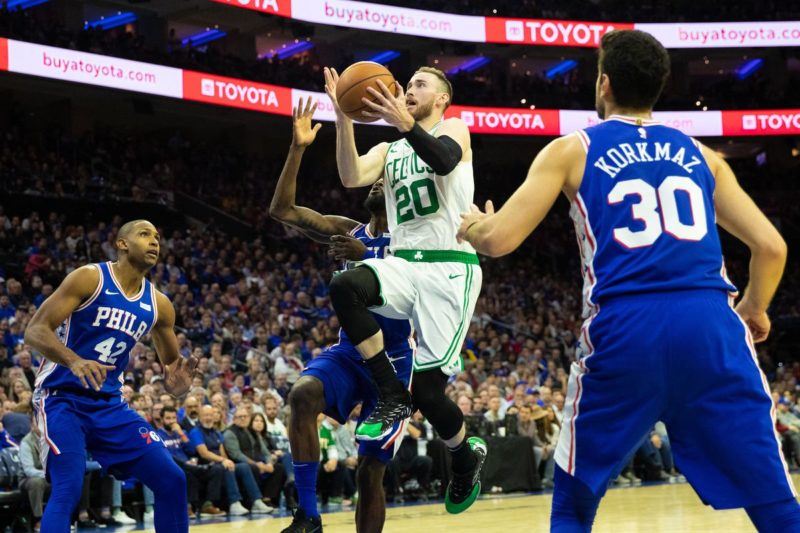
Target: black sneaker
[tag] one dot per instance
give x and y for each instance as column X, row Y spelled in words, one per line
column 391, row 409
column 303, row 524
column 464, row 488
column 87, row 524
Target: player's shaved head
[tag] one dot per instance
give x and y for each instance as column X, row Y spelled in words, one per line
column 128, row 227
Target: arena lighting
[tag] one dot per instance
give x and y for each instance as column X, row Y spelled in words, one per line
column 288, row 50
column 749, row 67
column 204, row 37
column 114, row 21
column 470, row 65
column 384, row 57
column 23, row 4
column 561, row 68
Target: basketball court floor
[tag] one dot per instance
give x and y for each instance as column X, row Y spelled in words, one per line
column 657, row 508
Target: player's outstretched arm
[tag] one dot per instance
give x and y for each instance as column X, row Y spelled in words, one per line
column 178, row 371
column 76, row 288
column 500, row 233
column 354, row 170
column 739, row 215
column 283, row 207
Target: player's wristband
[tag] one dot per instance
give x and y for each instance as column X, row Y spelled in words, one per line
column 442, row 154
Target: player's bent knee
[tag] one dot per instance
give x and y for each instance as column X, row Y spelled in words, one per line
column 306, row 399
column 358, row 286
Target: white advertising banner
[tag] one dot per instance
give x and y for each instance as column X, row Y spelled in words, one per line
column 378, row 17
column 724, row 34
column 94, row 69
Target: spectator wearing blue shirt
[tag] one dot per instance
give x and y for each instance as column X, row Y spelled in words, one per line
column 7, row 309
column 209, row 476
column 208, row 444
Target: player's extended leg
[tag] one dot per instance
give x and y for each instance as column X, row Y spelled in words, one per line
column 352, row 294
column 371, row 508
column 616, row 392
column 719, row 355
column 307, row 400
column 163, row 476
column 467, row 454
column 66, row 477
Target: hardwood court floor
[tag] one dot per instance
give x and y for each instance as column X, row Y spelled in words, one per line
column 657, row 508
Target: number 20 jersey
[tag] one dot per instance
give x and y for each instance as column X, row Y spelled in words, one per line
column 644, row 214
column 104, row 328
column 424, row 209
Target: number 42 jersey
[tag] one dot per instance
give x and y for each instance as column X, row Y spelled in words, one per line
column 104, row 328
column 644, row 213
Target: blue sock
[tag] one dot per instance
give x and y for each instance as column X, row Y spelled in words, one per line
column 305, row 480
column 574, row 505
column 783, row 516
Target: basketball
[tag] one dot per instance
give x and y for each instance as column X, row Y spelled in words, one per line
column 353, row 84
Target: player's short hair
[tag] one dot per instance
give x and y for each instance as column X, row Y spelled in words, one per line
column 444, row 83
column 637, row 66
column 127, row 227
column 168, row 409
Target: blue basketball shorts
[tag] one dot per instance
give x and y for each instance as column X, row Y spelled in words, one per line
column 112, row 432
column 687, row 359
column 347, row 382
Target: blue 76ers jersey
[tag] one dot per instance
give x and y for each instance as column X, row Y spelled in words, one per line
column 104, row 328
column 644, row 213
column 396, row 333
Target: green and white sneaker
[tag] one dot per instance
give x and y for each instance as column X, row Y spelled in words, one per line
column 465, row 488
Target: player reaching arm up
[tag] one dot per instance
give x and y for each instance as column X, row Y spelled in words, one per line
column 428, row 276
column 354, row 170
column 327, row 229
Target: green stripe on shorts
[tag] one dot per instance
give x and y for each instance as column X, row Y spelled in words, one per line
column 453, row 348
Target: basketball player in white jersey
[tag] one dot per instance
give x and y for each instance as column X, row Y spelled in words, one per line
column 427, row 275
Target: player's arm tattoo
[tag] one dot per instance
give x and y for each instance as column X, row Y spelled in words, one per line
column 283, row 208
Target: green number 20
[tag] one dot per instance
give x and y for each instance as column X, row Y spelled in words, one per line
column 405, row 211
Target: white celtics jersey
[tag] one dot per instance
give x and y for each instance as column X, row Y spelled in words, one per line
column 424, row 209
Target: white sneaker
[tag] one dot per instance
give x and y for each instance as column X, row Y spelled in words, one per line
column 237, row 509
column 149, row 517
column 120, row 516
column 260, row 507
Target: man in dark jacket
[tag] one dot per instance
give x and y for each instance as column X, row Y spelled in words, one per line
column 243, row 447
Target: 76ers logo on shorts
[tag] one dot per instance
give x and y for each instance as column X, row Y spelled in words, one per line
column 148, row 435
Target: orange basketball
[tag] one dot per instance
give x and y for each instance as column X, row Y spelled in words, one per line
column 352, row 87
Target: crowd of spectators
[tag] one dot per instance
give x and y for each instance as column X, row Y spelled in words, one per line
column 497, row 84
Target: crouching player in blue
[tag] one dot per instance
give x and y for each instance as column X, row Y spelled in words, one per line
column 337, row 380
column 86, row 331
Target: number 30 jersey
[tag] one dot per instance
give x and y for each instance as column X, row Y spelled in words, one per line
column 644, row 213
column 422, row 208
column 104, row 328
